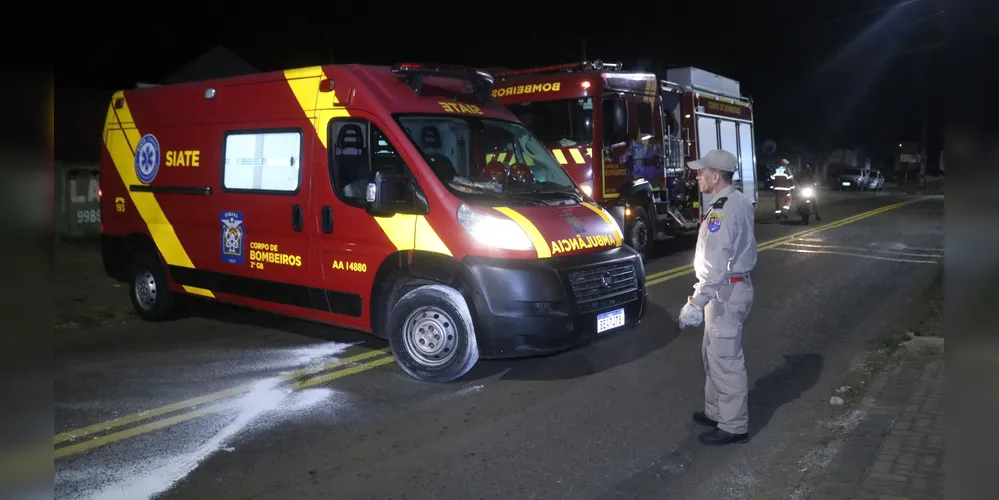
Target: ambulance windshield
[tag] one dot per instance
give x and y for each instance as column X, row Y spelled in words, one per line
column 559, row 124
column 485, row 158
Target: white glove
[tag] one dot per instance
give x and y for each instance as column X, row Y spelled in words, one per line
column 690, row 316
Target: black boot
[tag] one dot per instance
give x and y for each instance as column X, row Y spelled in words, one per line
column 718, row 436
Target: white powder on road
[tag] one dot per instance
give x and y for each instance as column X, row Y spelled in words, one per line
column 144, row 481
column 264, row 397
column 316, row 353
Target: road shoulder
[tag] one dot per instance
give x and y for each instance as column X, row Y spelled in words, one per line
column 881, row 435
column 897, row 448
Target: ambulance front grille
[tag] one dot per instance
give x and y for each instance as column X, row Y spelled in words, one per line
column 602, row 286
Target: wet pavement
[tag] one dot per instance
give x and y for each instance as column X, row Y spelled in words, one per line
column 239, row 404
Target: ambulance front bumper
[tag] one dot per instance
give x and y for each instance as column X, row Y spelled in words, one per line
column 524, row 308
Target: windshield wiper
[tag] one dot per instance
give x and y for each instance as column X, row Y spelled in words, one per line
column 561, row 190
column 501, row 196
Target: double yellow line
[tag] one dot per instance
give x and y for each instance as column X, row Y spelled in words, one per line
column 656, row 278
column 211, row 403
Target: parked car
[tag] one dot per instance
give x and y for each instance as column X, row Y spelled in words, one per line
column 853, row 178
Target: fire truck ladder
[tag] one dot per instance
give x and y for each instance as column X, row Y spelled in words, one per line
column 596, row 65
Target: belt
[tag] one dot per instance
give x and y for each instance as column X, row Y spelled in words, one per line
column 736, row 279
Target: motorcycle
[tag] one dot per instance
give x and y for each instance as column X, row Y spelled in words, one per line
column 806, row 206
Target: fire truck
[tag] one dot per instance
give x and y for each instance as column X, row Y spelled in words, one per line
column 366, row 197
column 633, row 161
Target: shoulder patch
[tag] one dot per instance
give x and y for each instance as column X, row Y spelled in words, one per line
column 714, row 221
column 720, row 202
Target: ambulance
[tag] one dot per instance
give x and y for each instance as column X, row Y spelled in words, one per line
column 376, row 198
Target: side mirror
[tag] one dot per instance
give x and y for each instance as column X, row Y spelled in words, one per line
column 389, row 194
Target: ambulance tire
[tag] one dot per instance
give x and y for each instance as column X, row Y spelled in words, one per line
column 431, row 334
column 147, row 280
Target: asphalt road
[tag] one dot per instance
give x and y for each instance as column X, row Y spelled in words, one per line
column 609, row 420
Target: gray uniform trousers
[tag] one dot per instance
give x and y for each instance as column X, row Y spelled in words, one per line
column 726, row 385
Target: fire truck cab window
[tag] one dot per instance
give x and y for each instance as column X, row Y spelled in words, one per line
column 645, row 127
column 558, row 123
column 615, row 122
column 358, row 150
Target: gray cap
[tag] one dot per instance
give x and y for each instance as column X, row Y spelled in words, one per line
column 718, row 159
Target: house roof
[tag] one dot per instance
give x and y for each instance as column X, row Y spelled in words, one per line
column 217, row 62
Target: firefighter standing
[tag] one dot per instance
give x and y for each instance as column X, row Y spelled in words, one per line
column 783, row 184
column 723, row 296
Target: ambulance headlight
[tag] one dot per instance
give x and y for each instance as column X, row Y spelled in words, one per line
column 493, row 231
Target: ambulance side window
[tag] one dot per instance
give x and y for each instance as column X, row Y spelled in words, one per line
column 262, row 161
column 358, row 149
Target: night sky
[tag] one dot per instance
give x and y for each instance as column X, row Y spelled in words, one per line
column 829, row 75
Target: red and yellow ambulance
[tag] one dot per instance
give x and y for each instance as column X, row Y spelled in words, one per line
column 380, row 199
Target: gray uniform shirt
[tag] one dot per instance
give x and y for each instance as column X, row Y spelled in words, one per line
column 726, row 243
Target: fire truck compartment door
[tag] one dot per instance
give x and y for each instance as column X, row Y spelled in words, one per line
column 707, row 139
column 747, row 161
column 707, row 134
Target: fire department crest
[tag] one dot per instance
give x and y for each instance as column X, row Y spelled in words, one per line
column 232, row 237
column 714, row 221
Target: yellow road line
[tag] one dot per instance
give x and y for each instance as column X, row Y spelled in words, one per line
column 200, row 400
column 676, row 272
column 343, row 373
column 211, row 409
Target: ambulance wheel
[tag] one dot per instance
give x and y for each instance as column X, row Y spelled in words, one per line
column 432, row 335
column 150, row 294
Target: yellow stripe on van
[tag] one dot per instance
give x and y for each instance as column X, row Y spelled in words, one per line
column 610, row 222
column 406, row 232
column 412, row 232
column 121, row 135
column 427, row 239
column 319, row 107
column 577, row 156
column 540, row 245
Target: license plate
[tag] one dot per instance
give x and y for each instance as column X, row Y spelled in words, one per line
column 846, row 183
column 609, row 320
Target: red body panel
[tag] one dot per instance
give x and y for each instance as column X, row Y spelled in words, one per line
column 187, row 225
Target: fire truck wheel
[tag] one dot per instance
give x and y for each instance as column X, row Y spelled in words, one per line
column 432, row 334
column 638, row 233
column 150, row 294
